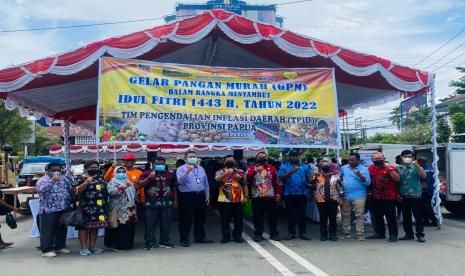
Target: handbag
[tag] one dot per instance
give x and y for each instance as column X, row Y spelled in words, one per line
column 10, row 221
column 112, row 219
column 72, row 217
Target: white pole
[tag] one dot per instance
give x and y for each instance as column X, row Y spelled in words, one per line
column 67, row 147
column 25, row 151
column 436, row 200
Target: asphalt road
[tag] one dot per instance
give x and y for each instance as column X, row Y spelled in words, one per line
column 442, row 254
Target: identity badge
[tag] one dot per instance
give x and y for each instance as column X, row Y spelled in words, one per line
column 198, row 180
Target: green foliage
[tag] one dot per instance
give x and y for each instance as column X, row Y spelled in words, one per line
column 274, row 153
column 460, row 83
column 417, row 135
column 458, row 126
column 384, row 138
column 395, row 117
column 456, row 108
column 443, row 131
column 14, row 129
column 43, row 142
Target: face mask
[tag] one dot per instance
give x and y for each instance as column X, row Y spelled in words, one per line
column 262, row 161
column 121, row 176
column 192, row 160
column 325, row 169
column 407, row 160
column 160, row 168
column 56, row 173
column 230, row 164
column 378, row 162
column 92, row 171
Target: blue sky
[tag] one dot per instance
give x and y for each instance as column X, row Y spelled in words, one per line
column 404, row 31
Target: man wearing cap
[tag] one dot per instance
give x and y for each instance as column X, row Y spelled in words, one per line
column 194, row 196
column 133, row 173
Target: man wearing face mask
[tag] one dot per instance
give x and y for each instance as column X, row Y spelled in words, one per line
column 383, row 197
column 232, row 194
column 296, row 177
column 410, row 196
column 194, row 196
column 266, row 190
column 54, row 191
column 160, row 198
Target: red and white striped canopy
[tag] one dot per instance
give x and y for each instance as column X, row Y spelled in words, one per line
column 64, row 86
column 59, row 150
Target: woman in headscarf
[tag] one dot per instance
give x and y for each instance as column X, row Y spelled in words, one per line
column 92, row 200
column 122, row 197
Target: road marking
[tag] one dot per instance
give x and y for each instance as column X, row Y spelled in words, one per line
column 296, row 257
column 268, row 257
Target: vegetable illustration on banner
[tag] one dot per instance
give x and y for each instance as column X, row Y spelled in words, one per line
column 149, row 102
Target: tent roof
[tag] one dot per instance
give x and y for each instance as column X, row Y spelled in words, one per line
column 65, row 86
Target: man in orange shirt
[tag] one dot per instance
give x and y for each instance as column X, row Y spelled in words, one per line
column 133, row 173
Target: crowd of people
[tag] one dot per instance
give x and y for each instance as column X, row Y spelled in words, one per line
column 118, row 197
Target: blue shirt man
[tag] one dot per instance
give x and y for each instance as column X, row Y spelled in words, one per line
column 194, row 181
column 297, row 182
column 352, row 179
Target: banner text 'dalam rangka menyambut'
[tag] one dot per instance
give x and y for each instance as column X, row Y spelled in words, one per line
column 147, row 102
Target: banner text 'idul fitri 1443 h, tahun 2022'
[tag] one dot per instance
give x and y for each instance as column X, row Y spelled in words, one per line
column 148, row 102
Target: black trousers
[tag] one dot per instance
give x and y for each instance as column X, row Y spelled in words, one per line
column 230, row 211
column 295, row 212
column 51, row 232
column 122, row 237
column 430, row 216
column 192, row 207
column 154, row 216
column 262, row 206
column 328, row 212
column 415, row 206
column 381, row 209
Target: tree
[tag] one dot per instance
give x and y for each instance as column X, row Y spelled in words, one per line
column 456, row 108
column 443, row 131
column 274, row 153
column 395, row 118
column 460, row 83
column 14, row 129
column 417, row 135
column 458, row 126
column 43, row 141
column 384, row 138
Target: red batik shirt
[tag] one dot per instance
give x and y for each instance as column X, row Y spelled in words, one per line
column 382, row 186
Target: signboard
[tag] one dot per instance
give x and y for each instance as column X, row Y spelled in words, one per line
column 413, row 104
column 147, row 102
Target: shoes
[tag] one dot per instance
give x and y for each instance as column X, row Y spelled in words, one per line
column 421, row 239
column 166, row 245
column 345, row 236
column 239, row 240
column 95, row 250
column 406, row 238
column 85, row 252
column 185, row 243
column 275, row 238
column 258, row 238
column 333, row 238
column 148, row 246
column 205, row 241
column 393, row 239
column 63, row 251
column 360, row 238
column 323, row 239
column 289, row 237
column 120, row 250
column 225, row 240
column 50, row 254
column 6, row 244
column 376, row 237
column 304, row 237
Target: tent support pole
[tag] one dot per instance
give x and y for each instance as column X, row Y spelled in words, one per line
column 67, row 147
column 436, row 200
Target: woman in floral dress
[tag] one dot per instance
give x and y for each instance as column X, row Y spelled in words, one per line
column 92, row 199
column 123, row 198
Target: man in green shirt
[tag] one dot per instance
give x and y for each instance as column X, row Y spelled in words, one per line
column 410, row 196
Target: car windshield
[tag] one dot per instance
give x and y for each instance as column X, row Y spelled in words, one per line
column 33, row 168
